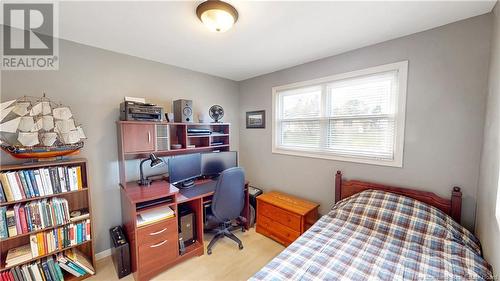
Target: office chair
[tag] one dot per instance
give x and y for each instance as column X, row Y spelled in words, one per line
column 227, row 203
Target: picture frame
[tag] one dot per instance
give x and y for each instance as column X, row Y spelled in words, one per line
column 256, row 119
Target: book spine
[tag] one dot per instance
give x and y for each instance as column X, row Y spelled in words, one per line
column 54, row 179
column 48, row 183
column 34, row 183
column 39, row 183
column 28, row 182
column 46, row 272
column 66, row 177
column 62, row 179
column 11, row 223
column 20, row 185
column 2, row 193
column 34, row 246
column 88, row 229
column 14, row 188
column 3, row 223
column 79, row 177
column 24, row 185
column 6, row 187
column 22, row 217
column 19, row 229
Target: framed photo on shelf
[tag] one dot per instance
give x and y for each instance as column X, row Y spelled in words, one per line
column 256, row 119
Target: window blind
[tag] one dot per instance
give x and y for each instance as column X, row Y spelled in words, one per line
column 354, row 117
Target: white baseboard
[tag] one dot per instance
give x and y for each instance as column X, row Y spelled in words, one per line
column 103, row 254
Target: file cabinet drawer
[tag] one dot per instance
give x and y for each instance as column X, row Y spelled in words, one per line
column 157, row 231
column 154, row 256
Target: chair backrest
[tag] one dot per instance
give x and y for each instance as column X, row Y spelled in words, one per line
column 229, row 196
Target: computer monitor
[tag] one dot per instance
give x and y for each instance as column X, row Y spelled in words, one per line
column 184, row 169
column 213, row 163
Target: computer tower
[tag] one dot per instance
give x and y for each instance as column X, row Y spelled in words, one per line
column 187, row 226
column 183, row 111
column 120, row 251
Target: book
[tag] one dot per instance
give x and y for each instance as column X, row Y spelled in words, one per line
column 79, row 177
column 22, row 218
column 19, row 185
column 80, row 259
column 4, row 232
column 16, row 192
column 16, row 218
column 18, row 255
column 34, row 184
column 11, row 222
column 24, row 184
column 2, row 194
column 6, row 187
column 27, row 179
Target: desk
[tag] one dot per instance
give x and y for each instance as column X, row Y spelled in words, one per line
column 155, row 247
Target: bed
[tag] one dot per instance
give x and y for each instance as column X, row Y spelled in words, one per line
column 378, row 232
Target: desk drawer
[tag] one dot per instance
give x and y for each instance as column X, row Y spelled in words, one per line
column 154, row 256
column 284, row 217
column 276, row 231
column 157, row 232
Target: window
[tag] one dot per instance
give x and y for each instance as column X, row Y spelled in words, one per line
column 357, row 116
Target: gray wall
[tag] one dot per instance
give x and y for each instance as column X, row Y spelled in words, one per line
column 488, row 200
column 448, row 70
column 93, row 82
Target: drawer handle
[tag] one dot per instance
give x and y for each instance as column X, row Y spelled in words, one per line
column 149, row 137
column 158, row 232
column 159, row 244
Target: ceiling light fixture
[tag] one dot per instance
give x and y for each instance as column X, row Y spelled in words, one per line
column 218, row 16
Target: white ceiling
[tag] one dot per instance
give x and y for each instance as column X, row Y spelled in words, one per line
column 267, row 37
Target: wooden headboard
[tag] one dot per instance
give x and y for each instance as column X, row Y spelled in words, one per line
column 452, row 206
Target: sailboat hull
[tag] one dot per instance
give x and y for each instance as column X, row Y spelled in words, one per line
column 41, row 151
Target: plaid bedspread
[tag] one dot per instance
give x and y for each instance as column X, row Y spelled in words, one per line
column 376, row 235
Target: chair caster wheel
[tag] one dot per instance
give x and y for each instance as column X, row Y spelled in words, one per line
column 240, row 246
column 243, row 229
column 209, row 252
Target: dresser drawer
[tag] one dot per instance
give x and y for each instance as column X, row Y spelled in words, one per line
column 155, row 256
column 277, row 231
column 157, row 232
column 284, row 217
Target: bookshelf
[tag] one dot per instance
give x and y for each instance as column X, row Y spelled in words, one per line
column 76, row 200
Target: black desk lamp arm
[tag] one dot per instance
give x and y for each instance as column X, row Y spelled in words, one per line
column 143, row 181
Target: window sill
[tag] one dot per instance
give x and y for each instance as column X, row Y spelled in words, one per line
column 398, row 163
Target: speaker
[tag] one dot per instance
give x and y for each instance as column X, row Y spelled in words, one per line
column 187, row 229
column 183, row 111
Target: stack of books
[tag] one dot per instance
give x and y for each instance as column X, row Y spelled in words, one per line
column 25, row 184
column 46, row 269
column 18, row 255
column 75, row 262
column 56, row 239
column 33, row 216
column 49, row 269
column 154, row 215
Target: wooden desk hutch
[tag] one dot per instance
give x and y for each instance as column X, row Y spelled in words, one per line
column 155, row 247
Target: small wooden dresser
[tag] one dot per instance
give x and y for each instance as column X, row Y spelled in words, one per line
column 284, row 218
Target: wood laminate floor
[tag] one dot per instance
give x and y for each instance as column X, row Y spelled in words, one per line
column 226, row 262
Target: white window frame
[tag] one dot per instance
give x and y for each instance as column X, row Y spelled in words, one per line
column 400, row 112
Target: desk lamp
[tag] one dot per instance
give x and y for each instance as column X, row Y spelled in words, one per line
column 155, row 162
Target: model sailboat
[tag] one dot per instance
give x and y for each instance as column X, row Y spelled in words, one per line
column 38, row 128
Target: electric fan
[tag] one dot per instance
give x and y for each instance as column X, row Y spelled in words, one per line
column 216, row 112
